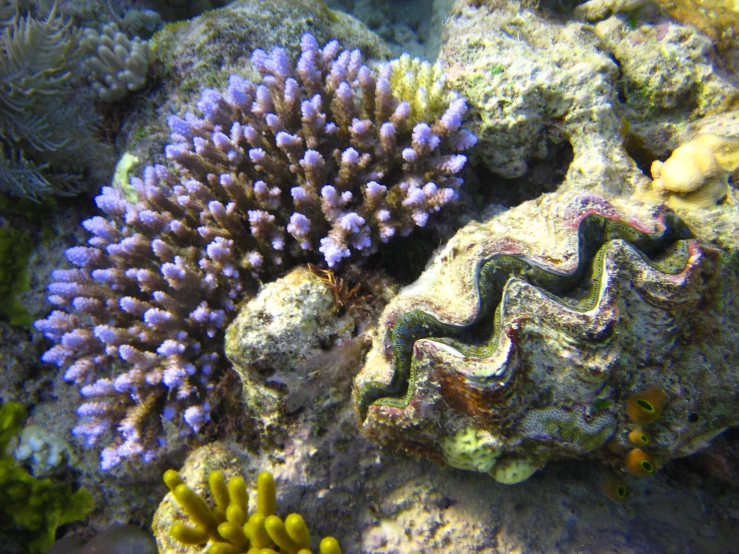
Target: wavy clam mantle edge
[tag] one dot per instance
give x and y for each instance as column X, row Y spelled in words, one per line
column 666, row 251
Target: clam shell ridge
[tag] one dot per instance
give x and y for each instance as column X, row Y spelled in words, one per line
column 534, row 352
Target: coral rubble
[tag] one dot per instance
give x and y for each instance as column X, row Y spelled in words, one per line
column 535, row 350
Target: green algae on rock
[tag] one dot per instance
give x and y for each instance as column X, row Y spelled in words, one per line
column 31, row 509
column 536, row 341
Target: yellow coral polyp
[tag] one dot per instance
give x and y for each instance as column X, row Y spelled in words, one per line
column 639, row 437
column 513, row 471
column 471, row 449
column 639, row 463
column 614, row 486
column 646, row 406
column 228, row 528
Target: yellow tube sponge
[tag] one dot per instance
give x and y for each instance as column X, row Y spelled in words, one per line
column 297, row 530
column 195, row 507
column 256, row 532
column 188, row 535
column 277, row 532
column 266, row 494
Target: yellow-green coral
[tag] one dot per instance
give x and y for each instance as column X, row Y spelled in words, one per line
column 122, row 175
column 471, row 449
column 422, row 85
column 31, row 509
column 228, row 528
column 513, row 471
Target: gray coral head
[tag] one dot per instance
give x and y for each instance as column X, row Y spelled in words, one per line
column 504, row 356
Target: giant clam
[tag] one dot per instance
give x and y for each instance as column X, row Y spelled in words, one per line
column 522, row 340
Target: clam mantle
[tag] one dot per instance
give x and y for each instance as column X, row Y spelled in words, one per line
column 524, row 337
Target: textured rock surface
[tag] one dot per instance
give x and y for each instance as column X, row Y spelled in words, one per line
column 630, row 85
column 670, row 77
column 531, row 83
column 285, row 340
column 553, row 379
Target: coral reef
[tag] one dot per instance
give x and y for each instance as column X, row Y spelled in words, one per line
column 532, row 84
column 32, row 508
column 533, row 347
column 116, row 65
column 408, row 26
column 718, row 19
column 320, row 463
column 622, row 94
column 299, row 168
column 360, row 163
column 670, row 80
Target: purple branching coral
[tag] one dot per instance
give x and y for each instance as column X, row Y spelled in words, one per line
column 317, row 158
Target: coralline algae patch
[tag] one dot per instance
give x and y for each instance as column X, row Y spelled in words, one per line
column 509, row 353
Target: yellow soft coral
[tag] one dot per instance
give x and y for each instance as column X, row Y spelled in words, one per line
column 697, row 172
column 229, row 529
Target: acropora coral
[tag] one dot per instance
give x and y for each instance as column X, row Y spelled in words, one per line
column 30, row 508
column 321, row 156
column 228, row 528
column 115, row 64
